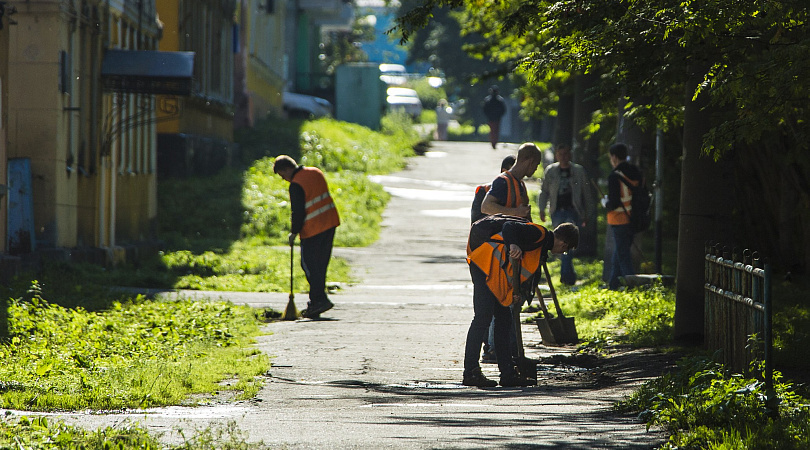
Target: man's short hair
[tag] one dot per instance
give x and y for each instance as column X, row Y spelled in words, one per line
column 528, row 151
column 562, row 146
column 568, row 233
column 284, row 162
column 618, row 150
column 508, row 162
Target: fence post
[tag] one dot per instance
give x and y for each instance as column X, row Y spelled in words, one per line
column 770, row 396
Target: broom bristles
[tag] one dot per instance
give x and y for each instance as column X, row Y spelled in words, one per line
column 291, row 312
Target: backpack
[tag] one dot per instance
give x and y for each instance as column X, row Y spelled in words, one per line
column 483, row 229
column 475, row 210
column 641, row 203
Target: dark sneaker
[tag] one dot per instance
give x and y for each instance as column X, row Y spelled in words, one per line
column 306, row 314
column 314, row 311
column 489, row 357
column 478, row 379
column 515, row 380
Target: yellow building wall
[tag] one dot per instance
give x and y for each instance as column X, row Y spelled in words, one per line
column 198, row 115
column 265, row 63
column 37, row 120
column 169, row 14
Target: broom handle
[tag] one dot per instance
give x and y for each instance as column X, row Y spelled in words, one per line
column 553, row 292
column 291, row 271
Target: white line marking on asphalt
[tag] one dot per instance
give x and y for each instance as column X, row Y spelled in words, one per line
column 444, row 185
column 430, row 194
column 413, row 287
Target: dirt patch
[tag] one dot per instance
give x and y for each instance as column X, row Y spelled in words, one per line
column 621, row 367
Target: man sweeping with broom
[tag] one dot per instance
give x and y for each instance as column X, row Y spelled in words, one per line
column 314, row 218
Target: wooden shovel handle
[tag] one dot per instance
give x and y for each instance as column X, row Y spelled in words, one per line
column 553, row 292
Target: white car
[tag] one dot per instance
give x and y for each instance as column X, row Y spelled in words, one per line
column 404, row 99
column 393, row 74
column 302, row 106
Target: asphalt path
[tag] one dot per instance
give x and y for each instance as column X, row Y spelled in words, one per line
column 383, row 368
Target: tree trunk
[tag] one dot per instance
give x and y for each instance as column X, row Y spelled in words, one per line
column 705, row 214
column 586, row 152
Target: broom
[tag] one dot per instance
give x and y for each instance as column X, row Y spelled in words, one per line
column 291, row 313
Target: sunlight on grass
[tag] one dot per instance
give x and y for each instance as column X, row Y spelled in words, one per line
column 42, row 433
column 136, row 354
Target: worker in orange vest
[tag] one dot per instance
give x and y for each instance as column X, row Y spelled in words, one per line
column 508, row 192
column 314, row 218
column 493, row 240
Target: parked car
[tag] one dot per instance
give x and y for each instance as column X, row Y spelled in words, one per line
column 404, row 99
column 302, row 106
column 393, row 74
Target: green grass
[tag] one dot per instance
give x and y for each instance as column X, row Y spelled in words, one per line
column 228, row 232
column 703, row 406
column 39, row 433
column 134, row 354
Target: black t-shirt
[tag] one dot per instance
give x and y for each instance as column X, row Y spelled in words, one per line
column 564, row 194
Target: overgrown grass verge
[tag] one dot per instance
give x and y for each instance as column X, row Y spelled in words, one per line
column 228, row 232
column 135, row 354
column 637, row 317
column 704, row 407
column 40, row 433
column 221, row 231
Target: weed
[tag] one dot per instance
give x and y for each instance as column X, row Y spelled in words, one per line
column 136, row 354
column 703, row 406
column 41, row 433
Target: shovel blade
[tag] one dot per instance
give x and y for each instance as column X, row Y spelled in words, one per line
column 568, row 331
column 558, row 331
column 546, row 332
column 527, row 367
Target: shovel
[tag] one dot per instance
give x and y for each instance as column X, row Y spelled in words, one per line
column 548, row 327
column 526, row 367
column 291, row 312
column 563, row 329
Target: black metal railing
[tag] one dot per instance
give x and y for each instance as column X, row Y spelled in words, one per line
column 738, row 314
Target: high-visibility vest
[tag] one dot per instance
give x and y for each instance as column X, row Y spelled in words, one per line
column 514, row 196
column 492, row 258
column 621, row 215
column 318, row 204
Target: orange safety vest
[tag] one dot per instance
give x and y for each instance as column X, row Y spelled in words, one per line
column 318, row 204
column 621, row 215
column 492, row 258
column 514, row 195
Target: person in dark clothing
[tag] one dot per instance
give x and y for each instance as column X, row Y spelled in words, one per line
column 494, row 110
column 490, row 269
column 618, row 204
column 314, row 217
column 475, row 215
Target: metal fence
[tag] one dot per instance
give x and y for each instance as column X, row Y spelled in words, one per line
column 737, row 308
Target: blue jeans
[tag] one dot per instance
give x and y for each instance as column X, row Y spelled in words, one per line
column 567, row 273
column 485, row 307
column 622, row 261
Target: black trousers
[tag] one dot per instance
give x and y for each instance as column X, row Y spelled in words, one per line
column 316, row 251
column 485, row 307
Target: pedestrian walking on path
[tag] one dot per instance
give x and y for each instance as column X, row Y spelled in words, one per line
column 314, row 217
column 494, row 109
column 493, row 240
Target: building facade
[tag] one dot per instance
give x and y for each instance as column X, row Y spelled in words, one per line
column 89, row 152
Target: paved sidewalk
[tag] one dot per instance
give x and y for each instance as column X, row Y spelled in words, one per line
column 383, row 369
